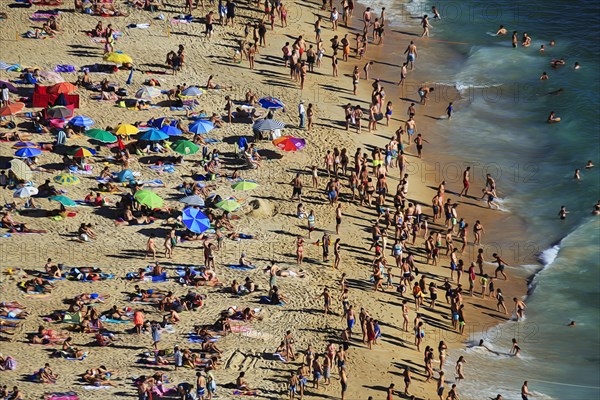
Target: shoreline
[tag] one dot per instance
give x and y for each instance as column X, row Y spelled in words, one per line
column 372, row 381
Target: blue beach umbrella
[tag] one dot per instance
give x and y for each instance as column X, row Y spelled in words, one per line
column 27, row 152
column 271, row 102
column 192, row 91
column 171, row 130
column 201, row 126
column 153, row 135
column 195, row 220
column 82, row 121
column 125, row 176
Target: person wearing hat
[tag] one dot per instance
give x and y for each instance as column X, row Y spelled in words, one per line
column 301, row 114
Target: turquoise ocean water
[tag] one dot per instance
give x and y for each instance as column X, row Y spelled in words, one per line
column 501, row 126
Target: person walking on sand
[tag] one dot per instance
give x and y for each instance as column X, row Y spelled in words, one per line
column 151, row 247
column 419, row 142
column 466, row 179
column 411, row 54
column 296, row 188
column 338, row 218
column 343, row 382
column 426, row 25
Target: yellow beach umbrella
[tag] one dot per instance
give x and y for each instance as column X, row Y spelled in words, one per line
column 126, row 129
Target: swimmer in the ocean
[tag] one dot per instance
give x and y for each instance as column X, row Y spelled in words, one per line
column 558, row 63
column 562, row 214
column 553, row 118
column 544, row 76
column 576, row 66
column 481, row 344
column 515, row 349
column 572, row 323
column 554, row 92
column 589, row 165
column 596, row 210
column 577, row 175
column 501, row 31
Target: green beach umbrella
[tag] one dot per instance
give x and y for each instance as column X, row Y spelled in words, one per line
column 66, row 179
column 101, row 135
column 185, row 147
column 148, row 198
column 228, row 205
column 64, row 200
column 244, row 185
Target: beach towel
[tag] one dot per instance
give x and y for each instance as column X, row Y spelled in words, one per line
column 72, row 318
column 83, row 357
column 65, row 68
column 113, row 321
column 90, row 387
column 267, row 300
column 241, row 267
column 139, row 26
column 152, row 183
column 61, row 396
column 244, row 393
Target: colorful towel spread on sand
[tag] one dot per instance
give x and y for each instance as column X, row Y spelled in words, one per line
column 61, row 396
column 65, row 68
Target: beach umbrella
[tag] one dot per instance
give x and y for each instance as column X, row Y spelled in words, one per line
column 66, row 179
column 125, row 176
column 148, row 92
column 192, row 91
column 289, row 143
column 157, row 123
column 25, row 192
column 126, row 130
column 193, row 200
column 118, row 58
column 228, row 205
column 244, row 185
column 62, row 87
column 271, row 102
column 59, row 112
column 20, row 145
column 51, row 76
column 153, row 135
column 268, row 125
column 185, row 147
column 81, row 152
column 9, row 86
column 101, row 135
column 171, row 130
column 201, row 126
column 27, row 152
column 21, row 170
column 148, row 198
column 82, row 121
column 64, row 200
column 195, row 220
column 11, row 109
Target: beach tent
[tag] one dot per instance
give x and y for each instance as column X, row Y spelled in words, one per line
column 21, row 170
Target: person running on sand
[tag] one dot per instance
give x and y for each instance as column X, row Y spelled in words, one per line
column 151, row 247
column 500, row 268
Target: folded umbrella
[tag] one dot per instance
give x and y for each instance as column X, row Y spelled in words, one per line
column 195, row 220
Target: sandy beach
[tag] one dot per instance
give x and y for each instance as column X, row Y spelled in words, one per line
column 266, row 212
